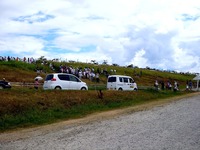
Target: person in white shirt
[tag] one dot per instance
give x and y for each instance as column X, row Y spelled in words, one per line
column 135, row 86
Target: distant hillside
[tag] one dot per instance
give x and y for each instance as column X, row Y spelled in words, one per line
column 19, row 71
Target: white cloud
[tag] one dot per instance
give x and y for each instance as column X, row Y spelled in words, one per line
column 139, row 59
column 184, row 57
column 19, row 45
column 143, row 32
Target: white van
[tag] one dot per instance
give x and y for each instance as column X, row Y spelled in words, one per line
column 120, row 82
column 63, row 81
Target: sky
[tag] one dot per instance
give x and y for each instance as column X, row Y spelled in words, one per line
column 161, row 34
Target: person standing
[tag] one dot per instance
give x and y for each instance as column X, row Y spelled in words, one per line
column 36, row 84
column 190, row 85
column 162, row 85
column 97, row 77
column 135, row 86
column 156, row 85
column 175, row 86
column 187, row 85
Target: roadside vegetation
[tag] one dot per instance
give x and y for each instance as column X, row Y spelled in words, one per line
column 25, row 106
column 28, row 107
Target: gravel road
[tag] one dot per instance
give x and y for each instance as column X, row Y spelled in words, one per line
column 173, row 126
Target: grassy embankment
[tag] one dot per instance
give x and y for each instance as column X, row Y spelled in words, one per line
column 20, row 108
column 23, row 107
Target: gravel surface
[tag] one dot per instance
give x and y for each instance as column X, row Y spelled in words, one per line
column 174, row 126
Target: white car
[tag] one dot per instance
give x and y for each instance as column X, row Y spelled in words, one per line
column 63, row 81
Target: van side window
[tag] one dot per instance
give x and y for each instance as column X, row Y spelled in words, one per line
column 112, row 79
column 125, row 80
column 120, row 79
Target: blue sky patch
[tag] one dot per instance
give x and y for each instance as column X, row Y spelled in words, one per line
column 51, row 34
column 88, row 48
column 38, row 17
column 52, row 48
column 186, row 17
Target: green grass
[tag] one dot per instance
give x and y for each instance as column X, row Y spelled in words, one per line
column 18, row 65
column 27, row 107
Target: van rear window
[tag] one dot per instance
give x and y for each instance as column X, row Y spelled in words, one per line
column 112, row 79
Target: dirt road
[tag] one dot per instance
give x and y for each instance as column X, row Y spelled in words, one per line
column 156, row 126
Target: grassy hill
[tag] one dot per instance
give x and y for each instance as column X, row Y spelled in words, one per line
column 25, row 107
column 18, row 71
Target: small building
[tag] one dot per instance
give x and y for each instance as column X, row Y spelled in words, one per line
column 197, row 78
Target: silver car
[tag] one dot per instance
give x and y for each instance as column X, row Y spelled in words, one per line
column 63, row 81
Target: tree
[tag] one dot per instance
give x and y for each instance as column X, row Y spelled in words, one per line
column 105, row 62
column 130, row 66
column 115, row 64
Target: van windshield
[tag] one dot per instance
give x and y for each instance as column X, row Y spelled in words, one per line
column 130, row 80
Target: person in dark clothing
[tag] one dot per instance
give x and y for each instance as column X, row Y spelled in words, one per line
column 36, row 84
column 162, row 85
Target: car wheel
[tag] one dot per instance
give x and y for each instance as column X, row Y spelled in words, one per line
column 1, row 87
column 83, row 88
column 120, row 89
column 57, row 88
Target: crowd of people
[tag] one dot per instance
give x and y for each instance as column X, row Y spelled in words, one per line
column 28, row 60
column 86, row 72
column 169, row 86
